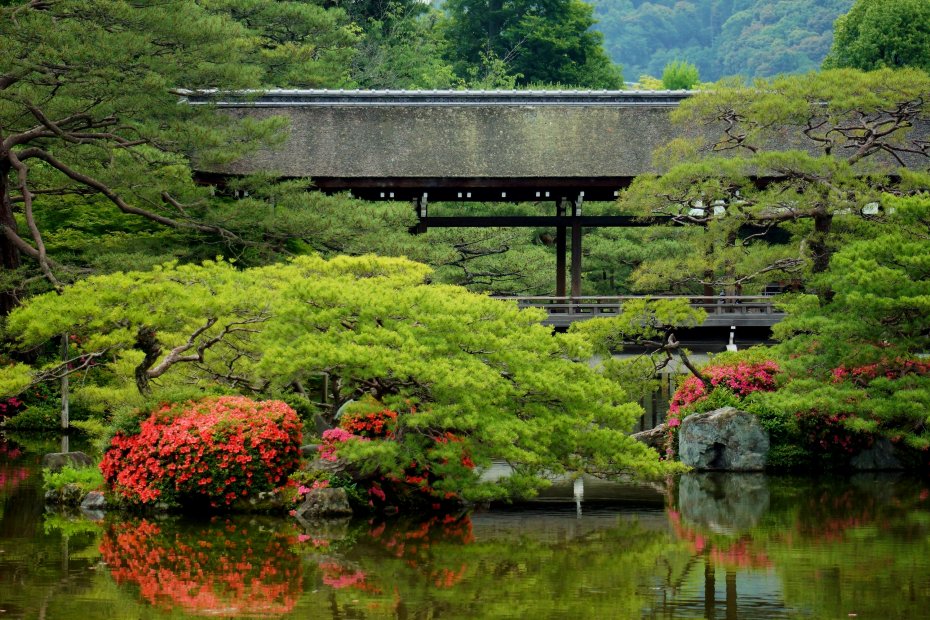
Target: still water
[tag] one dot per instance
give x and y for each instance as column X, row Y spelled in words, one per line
column 708, row 546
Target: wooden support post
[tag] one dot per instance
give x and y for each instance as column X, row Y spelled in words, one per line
column 576, row 247
column 419, row 207
column 65, row 409
column 560, row 252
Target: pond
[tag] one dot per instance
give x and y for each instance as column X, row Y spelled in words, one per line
column 705, row 546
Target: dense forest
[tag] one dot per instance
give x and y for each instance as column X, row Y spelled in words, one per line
column 722, row 37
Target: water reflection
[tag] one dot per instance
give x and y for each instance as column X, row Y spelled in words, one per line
column 722, row 546
column 215, row 569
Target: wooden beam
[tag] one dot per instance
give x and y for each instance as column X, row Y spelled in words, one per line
column 541, row 221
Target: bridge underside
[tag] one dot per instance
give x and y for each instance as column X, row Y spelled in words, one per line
column 476, row 189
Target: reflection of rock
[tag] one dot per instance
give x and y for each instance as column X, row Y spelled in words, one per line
column 94, row 501
column 654, row 438
column 331, row 530
column 324, row 503
column 724, row 503
column 56, row 460
column 881, row 456
column 724, row 439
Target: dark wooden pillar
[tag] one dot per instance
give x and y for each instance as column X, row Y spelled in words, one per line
column 576, row 247
column 560, row 251
column 419, row 207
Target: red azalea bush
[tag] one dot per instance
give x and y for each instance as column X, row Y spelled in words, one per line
column 441, row 452
column 216, row 450
column 888, row 368
column 209, row 571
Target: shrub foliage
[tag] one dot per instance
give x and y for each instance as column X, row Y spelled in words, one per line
column 213, row 451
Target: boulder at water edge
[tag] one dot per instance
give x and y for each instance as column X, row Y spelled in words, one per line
column 54, row 461
column 326, row 502
column 725, row 439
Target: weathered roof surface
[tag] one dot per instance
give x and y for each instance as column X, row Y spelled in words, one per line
column 493, row 144
column 459, row 134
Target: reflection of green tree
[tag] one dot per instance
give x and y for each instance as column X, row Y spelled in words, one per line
column 436, row 569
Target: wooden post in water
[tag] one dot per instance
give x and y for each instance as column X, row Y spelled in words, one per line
column 731, row 594
column 710, row 587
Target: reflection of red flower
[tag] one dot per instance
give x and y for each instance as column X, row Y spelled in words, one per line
column 738, row 553
column 206, row 572
column 337, row 576
column 11, row 477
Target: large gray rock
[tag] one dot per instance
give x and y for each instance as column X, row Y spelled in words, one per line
column 725, row 439
column 654, row 438
column 56, row 460
column 882, row 456
column 327, row 502
column 94, row 500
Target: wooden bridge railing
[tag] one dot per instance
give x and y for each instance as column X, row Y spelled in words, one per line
column 740, row 310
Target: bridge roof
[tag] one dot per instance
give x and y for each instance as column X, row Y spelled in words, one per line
column 309, row 97
column 458, row 144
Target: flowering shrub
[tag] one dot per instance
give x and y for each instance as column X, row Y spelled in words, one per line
column 890, row 369
column 10, row 407
column 728, row 382
column 827, row 437
column 441, row 454
column 212, row 570
column 371, row 425
column 742, row 379
column 216, row 450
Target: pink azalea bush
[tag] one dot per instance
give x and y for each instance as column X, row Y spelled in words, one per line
column 740, row 378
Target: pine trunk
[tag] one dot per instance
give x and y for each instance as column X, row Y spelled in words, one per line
column 9, row 253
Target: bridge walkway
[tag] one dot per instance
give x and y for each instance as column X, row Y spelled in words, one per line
column 723, row 311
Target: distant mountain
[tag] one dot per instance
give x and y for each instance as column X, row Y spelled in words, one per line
column 722, row 37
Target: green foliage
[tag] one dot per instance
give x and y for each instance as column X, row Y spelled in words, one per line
column 35, row 418
column 826, row 184
column 753, row 38
column 550, row 42
column 100, row 146
column 715, row 399
column 87, row 478
column 877, row 33
column 680, row 75
column 471, row 365
column 402, row 49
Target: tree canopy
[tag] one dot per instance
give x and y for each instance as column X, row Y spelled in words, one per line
column 548, row 42
column 448, row 360
column 882, row 33
column 790, row 167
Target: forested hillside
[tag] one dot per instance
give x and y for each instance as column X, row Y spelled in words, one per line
column 722, row 37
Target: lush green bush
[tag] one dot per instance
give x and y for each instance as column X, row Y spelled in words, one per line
column 36, row 418
column 214, row 452
column 680, row 75
column 87, row 478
